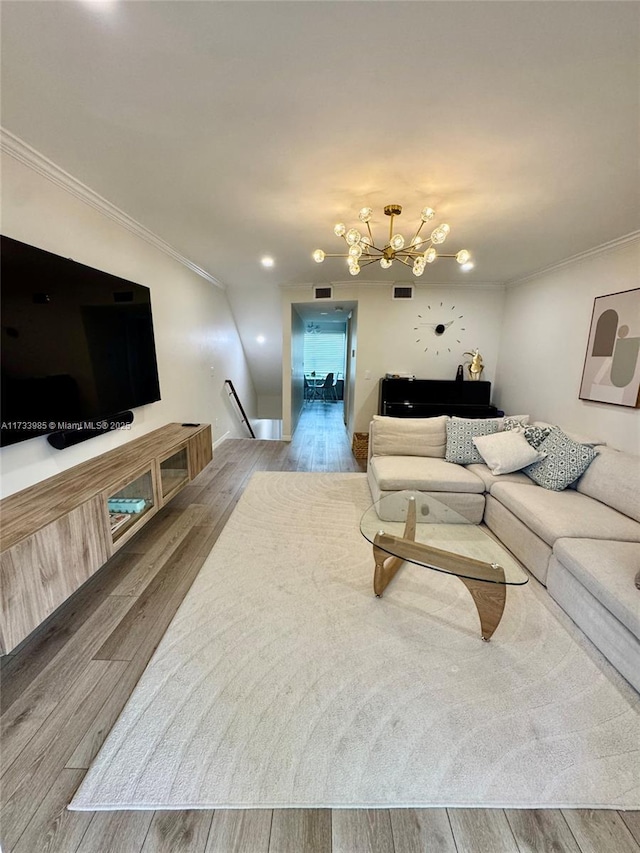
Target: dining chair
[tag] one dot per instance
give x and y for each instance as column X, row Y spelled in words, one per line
column 328, row 388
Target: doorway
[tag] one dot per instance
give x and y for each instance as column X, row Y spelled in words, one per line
column 322, row 363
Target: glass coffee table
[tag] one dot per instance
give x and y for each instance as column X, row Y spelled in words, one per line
column 417, row 528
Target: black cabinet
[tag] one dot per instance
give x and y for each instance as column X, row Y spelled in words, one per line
column 426, row 398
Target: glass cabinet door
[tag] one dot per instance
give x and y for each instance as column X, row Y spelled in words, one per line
column 174, row 472
column 127, row 506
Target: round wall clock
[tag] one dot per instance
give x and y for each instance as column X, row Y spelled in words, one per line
column 440, row 328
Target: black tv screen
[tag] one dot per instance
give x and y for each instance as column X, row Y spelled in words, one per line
column 77, row 344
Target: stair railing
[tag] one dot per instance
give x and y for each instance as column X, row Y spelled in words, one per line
column 232, row 393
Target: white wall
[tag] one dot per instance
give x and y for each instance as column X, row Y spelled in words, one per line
column 544, row 338
column 196, row 338
column 387, row 336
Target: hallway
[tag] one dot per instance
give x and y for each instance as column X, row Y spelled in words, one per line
column 321, row 441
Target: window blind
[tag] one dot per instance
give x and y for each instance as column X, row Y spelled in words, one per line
column 324, row 352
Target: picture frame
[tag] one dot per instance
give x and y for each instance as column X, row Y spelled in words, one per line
column 611, row 372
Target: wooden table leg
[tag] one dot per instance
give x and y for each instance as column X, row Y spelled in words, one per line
column 386, row 571
column 489, row 599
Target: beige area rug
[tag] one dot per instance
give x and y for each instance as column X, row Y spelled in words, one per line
column 282, row 682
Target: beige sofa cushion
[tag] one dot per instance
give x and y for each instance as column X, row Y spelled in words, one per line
column 409, row 436
column 614, row 479
column 393, row 473
column 553, row 515
column 481, row 470
column 607, row 569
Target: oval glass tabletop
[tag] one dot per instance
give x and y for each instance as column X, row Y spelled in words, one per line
column 418, row 528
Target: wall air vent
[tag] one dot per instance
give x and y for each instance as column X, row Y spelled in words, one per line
column 404, row 291
column 322, row 292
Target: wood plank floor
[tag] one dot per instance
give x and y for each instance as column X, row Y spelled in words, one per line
column 63, row 689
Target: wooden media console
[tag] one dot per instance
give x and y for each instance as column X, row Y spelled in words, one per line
column 57, row 533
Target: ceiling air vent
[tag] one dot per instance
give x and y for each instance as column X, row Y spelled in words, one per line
column 322, row 292
column 404, row 291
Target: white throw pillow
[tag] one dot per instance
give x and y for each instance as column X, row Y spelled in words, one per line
column 505, row 452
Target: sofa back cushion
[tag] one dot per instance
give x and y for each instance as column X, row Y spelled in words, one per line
column 409, row 436
column 613, row 478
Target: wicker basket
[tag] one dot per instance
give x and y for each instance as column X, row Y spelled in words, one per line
column 360, row 445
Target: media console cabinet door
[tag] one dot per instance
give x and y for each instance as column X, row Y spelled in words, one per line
column 43, row 570
column 200, row 452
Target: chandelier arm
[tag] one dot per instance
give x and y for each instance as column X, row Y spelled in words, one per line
column 412, row 245
column 372, row 261
column 369, row 230
column 418, row 231
column 402, row 261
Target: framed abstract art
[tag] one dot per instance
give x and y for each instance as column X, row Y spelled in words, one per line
column 612, row 364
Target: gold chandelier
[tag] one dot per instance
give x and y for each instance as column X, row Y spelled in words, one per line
column 415, row 253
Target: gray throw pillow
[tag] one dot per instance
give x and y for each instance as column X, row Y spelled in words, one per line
column 460, row 434
column 566, row 461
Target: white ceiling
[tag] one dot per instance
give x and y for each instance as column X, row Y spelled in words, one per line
column 237, row 129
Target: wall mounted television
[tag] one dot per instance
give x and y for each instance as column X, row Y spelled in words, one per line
column 77, row 344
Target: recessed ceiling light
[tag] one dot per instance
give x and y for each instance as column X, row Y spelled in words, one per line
column 267, row 261
column 324, row 313
column 261, row 339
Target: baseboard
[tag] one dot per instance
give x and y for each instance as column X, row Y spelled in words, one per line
column 220, row 440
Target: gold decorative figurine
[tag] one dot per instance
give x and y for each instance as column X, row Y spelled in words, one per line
column 475, row 366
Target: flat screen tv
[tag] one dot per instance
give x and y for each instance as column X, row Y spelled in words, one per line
column 77, row 344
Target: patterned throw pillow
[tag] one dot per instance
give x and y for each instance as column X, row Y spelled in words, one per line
column 514, row 421
column 460, row 435
column 566, row 461
column 535, row 435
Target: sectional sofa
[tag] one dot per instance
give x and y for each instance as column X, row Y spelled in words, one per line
column 582, row 542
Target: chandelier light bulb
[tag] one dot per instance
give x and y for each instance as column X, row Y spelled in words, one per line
column 427, row 214
column 365, row 214
column 318, row 256
column 468, row 266
column 417, row 243
column 439, row 234
column 340, row 229
column 463, row 256
column 397, row 242
column 418, row 267
column 430, row 255
column 365, row 242
column 354, row 269
column 353, row 236
column 355, row 251
column 385, row 263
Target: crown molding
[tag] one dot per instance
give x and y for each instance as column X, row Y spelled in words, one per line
column 581, row 256
column 28, row 156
